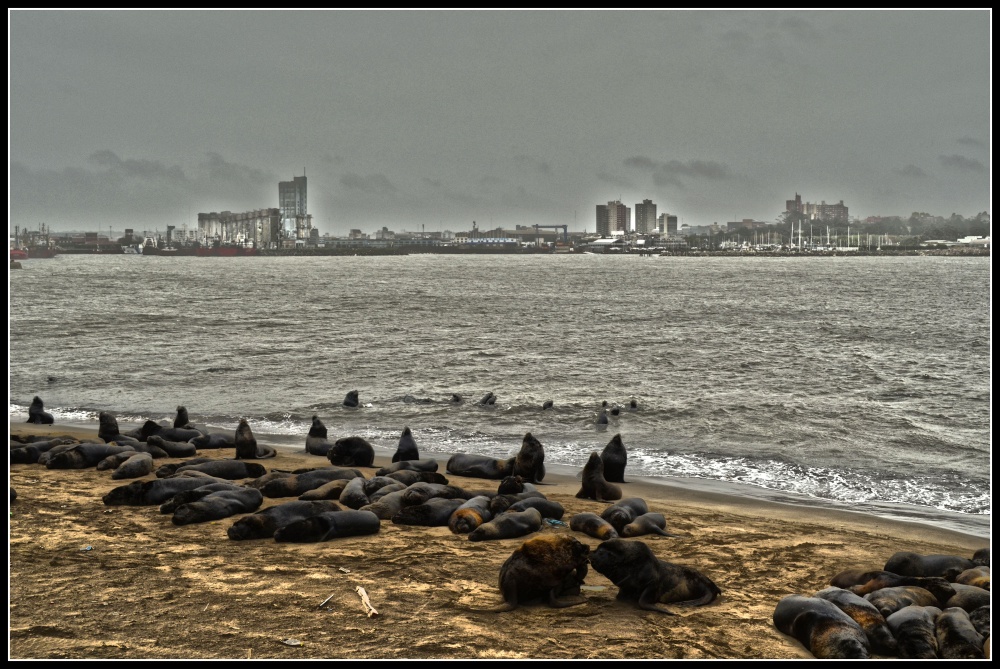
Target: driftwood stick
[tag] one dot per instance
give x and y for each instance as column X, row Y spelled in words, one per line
column 326, row 600
column 367, row 602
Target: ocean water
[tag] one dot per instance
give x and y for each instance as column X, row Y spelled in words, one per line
column 858, row 383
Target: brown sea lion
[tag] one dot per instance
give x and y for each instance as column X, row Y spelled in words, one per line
column 913, row 627
column 407, row 447
column 592, row 525
column 594, row 485
column 262, row 524
column 862, row 582
column 353, row 495
column 511, row 485
column 351, row 452
column 246, row 444
column 550, row 568
column 508, row 525
column 529, row 463
column 968, row 597
column 614, row 458
column 330, row 525
column 479, row 466
column 648, row 581
column 864, row 614
column 982, row 557
column 907, row 563
column 820, row 626
column 329, row 490
column 648, row 523
column 890, row 600
column 218, row 505
column 957, row 637
column 978, row 576
column 470, row 515
column 549, row 508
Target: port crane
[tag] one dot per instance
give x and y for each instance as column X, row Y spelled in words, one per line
column 564, row 228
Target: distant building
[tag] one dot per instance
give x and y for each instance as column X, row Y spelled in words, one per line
column 666, row 224
column 296, row 222
column 645, row 217
column 259, row 228
column 817, row 212
column 613, row 216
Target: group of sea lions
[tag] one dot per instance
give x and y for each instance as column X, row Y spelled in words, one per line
column 916, row 607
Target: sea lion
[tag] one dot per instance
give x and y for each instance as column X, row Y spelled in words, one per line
column 411, row 476
column 29, row 453
column 821, row 627
column 549, row 508
column 37, row 413
column 297, row 484
column 957, row 637
column 153, row 449
column 137, row 466
column 479, row 466
column 648, row 523
column 470, row 515
column 602, row 418
column 407, row 447
column 614, row 458
column 501, row 503
column 529, row 462
column 382, row 492
column 508, row 525
column 82, row 456
column 633, row 405
column 107, row 429
column 862, row 582
column 913, row 627
column 547, row 404
column 170, row 469
column 488, row 399
column 330, row 525
column 262, row 524
column 511, row 485
column 181, row 419
column 316, row 443
column 982, row 557
column 351, row 452
column 426, row 465
column 456, row 398
column 353, row 496
column 547, row 568
column 173, row 449
column 890, row 600
column 212, row 441
column 981, row 620
column 907, row 563
column 246, row 444
column 592, row 525
column 594, row 485
column 151, row 428
column 624, row 512
column 978, row 576
column 218, row 505
column 420, row 492
column 376, row 483
column 968, row 597
column 435, row 512
column 149, row 493
column 193, row 495
column 865, row 615
column 387, row 506
column 231, row 470
column 351, row 399
column 648, row 581
column 113, row 460
column 329, row 490
column 46, row 456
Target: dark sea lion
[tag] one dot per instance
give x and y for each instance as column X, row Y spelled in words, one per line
column 968, row 597
column 470, row 515
column 479, row 466
column 501, row 503
column 28, row 453
column 982, row 557
column 871, row 581
column 297, row 484
column 426, row 465
column 170, row 469
column 614, row 458
column 864, row 614
column 153, row 449
column 351, row 399
column 550, row 568
column 246, row 444
column 382, row 492
column 231, row 470
column 633, row 405
column 913, row 627
column 353, row 495
column 420, row 492
column 592, row 525
column 648, row 581
column 212, row 441
column 407, row 447
column 981, row 620
column 488, row 399
column 549, row 508
column 957, row 637
column 411, row 476
column 37, row 413
column 978, row 576
column 602, row 418
column 376, row 483
column 137, row 466
column 593, row 485
column 820, row 626
column 45, row 456
column 168, row 432
column 331, row 525
column 387, row 506
column 456, row 398
column 907, row 563
column 181, row 419
column 508, row 525
column 82, row 456
column 112, row 461
column 547, row 404
column 648, row 523
column 158, row 491
column 107, row 428
column 218, row 505
column 529, row 462
column 173, row 449
column 316, row 443
column 624, row 512
column 193, row 495
column 615, row 411
column 262, row 524
column 329, row 490
column 511, row 485
column 435, row 512
column 351, row 452
column 890, row 600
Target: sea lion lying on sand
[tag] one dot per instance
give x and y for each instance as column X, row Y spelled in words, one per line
column 820, row 626
column 263, row 524
column 330, row 525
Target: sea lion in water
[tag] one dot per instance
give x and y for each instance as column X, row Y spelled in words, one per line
column 820, row 626
column 479, row 466
column 330, row 525
column 906, row 563
column 602, row 419
column 488, row 399
column 594, row 485
column 508, row 525
column 37, row 413
column 914, row 630
column 956, row 636
column 407, row 447
column 550, row 568
column 218, row 505
column 351, row 399
column 246, row 444
column 547, row 404
column 529, row 463
column 351, row 452
column 624, row 512
column 262, row 524
column 614, row 458
column 316, row 443
column 865, row 615
column 592, row 525
column 648, row 581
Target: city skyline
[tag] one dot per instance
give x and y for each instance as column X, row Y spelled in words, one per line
column 433, row 119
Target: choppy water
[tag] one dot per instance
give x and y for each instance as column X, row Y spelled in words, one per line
column 857, row 382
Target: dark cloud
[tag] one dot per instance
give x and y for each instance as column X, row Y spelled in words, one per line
column 529, row 164
column 613, row 180
column 799, row 27
column 373, row 183
column 670, row 173
column 219, row 168
column 142, row 169
column 911, row 171
column 971, row 141
column 962, row 163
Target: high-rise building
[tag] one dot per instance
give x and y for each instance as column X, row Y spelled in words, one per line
column 603, row 222
column 613, row 217
column 816, row 212
column 645, row 217
column 666, row 223
column 292, row 200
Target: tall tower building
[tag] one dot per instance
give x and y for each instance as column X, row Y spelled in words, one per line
column 292, row 202
column 603, row 221
column 645, row 217
column 613, row 216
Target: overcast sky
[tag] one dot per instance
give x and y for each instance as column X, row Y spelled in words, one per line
column 406, row 119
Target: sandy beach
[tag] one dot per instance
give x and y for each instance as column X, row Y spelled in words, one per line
column 95, row 581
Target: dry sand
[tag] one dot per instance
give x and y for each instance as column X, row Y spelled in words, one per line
column 94, row 581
